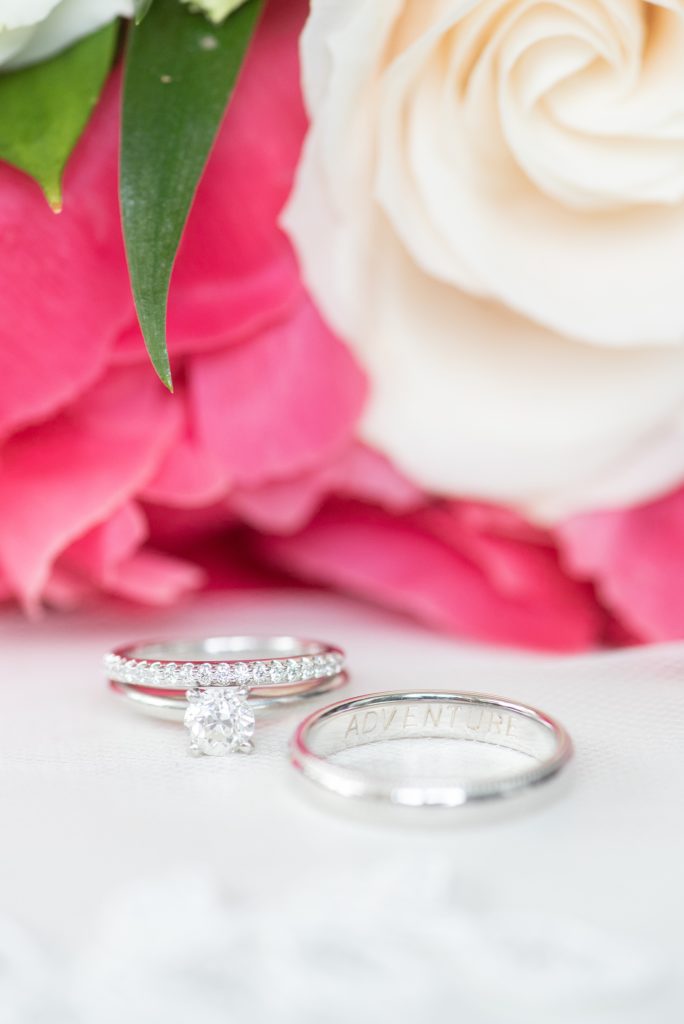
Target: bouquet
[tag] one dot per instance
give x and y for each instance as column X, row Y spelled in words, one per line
column 412, row 271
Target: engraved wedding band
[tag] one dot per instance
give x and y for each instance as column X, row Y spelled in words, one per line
column 208, row 681
column 428, row 715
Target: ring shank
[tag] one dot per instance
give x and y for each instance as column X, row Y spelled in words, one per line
column 225, row 648
column 172, row 706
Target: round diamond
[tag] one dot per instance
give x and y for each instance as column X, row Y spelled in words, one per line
column 205, row 674
column 189, row 675
column 131, row 671
column 307, row 667
column 154, row 673
column 242, row 672
column 219, row 722
column 277, row 671
column 292, row 670
column 170, row 674
column 222, row 673
column 320, row 665
column 260, row 673
column 113, row 666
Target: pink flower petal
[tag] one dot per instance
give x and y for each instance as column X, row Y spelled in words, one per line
column 635, row 557
column 146, row 577
column 59, row 480
column 61, row 307
column 150, row 577
column 279, row 405
column 396, row 561
column 491, row 537
column 66, row 591
column 189, row 477
column 286, row 506
column 97, row 552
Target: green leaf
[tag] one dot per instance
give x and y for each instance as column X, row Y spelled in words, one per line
column 45, row 107
column 140, row 9
column 180, row 73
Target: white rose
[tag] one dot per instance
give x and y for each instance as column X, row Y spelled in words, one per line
column 490, row 208
column 31, row 30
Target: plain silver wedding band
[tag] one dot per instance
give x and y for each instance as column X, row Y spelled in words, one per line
column 172, row 706
column 435, row 714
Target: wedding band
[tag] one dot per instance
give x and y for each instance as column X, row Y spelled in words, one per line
column 494, row 721
column 172, row 706
column 218, row 675
column 263, row 663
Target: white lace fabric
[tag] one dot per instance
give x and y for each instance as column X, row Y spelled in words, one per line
column 139, row 884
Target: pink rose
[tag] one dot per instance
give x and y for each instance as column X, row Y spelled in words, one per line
column 109, row 485
column 90, row 441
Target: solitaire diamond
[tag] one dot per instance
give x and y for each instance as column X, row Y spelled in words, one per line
column 220, row 722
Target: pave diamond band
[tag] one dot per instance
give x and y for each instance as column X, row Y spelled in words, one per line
column 266, row 663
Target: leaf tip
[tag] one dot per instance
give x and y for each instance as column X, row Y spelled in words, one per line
column 163, row 369
column 53, row 193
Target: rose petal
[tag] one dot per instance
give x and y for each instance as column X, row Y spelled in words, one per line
column 279, row 405
column 286, row 506
column 59, row 480
column 150, row 577
column 97, row 552
column 60, row 307
column 636, row 559
column 396, row 561
column 189, row 476
column 57, row 24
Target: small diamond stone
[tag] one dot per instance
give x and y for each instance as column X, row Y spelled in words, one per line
column 188, row 673
column 222, row 674
column 260, row 673
column 320, row 666
column 131, row 671
column 219, row 721
column 243, row 672
column 292, row 670
column 170, row 674
column 277, row 671
column 155, row 673
column 307, row 667
column 205, row 674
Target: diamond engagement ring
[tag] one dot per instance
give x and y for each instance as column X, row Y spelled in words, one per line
column 538, row 747
column 210, row 680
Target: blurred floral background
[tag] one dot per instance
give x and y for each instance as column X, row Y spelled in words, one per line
column 426, row 328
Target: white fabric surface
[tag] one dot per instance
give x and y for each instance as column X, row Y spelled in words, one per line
column 141, row 885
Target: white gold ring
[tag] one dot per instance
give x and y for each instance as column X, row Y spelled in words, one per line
column 318, row 747
column 254, row 662
column 217, row 675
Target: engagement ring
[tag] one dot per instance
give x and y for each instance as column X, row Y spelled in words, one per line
column 224, row 679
